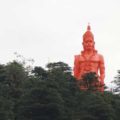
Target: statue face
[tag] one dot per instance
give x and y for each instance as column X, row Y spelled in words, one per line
column 88, row 44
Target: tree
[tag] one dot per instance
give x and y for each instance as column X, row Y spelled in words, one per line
column 15, row 75
column 59, row 66
column 93, row 106
column 52, row 95
column 40, row 102
column 6, row 103
column 40, row 72
column 89, row 81
column 117, row 82
column 60, row 73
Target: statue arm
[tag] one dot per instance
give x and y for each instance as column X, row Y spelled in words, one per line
column 102, row 69
column 76, row 67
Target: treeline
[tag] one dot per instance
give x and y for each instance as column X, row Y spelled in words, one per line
column 51, row 94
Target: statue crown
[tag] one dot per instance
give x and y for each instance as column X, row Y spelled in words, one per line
column 88, row 33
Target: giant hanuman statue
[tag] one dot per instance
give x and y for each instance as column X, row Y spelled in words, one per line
column 89, row 60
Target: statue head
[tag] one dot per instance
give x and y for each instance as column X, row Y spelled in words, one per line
column 88, row 40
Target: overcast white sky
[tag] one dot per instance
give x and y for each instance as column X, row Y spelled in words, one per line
column 51, row 30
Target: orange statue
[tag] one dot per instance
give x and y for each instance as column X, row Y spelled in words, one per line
column 89, row 60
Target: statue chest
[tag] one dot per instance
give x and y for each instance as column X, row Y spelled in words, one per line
column 90, row 59
column 89, row 63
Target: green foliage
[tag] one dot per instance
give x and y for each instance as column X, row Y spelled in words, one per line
column 52, row 94
column 90, row 81
column 59, row 66
column 39, row 72
column 41, row 103
column 117, row 82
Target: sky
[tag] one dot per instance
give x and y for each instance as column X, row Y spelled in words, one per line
column 52, row 30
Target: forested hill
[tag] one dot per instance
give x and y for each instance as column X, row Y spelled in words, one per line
column 51, row 94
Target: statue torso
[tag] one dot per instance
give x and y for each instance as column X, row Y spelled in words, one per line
column 88, row 63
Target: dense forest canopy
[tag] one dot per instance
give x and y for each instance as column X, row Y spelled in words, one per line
column 51, row 94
